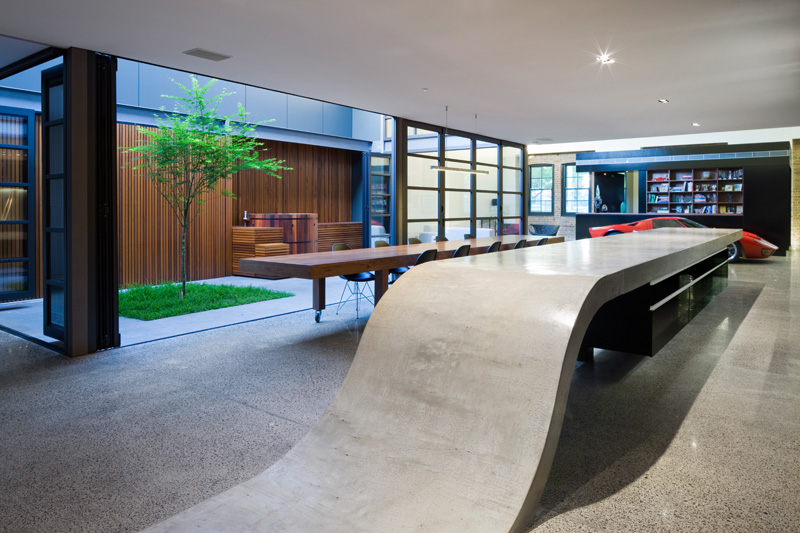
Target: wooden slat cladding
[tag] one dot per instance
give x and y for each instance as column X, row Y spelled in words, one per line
column 336, row 232
column 246, row 240
column 149, row 234
column 320, row 182
column 148, row 231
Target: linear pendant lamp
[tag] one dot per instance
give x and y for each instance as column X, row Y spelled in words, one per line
column 454, row 169
column 464, row 170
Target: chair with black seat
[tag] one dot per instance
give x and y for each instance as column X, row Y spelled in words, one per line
column 356, row 292
column 439, row 238
column 381, row 244
column 521, row 244
column 424, row 257
column 469, row 236
column 495, row 247
column 414, row 240
column 462, row 251
column 542, row 241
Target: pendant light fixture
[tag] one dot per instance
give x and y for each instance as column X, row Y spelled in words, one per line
column 454, row 169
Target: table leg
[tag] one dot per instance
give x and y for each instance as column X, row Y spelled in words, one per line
column 381, row 283
column 318, row 291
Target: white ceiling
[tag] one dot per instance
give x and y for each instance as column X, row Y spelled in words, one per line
column 527, row 68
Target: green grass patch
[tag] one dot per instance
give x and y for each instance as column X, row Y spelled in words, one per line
column 146, row 302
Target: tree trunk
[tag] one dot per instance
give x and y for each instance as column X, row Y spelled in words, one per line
column 183, row 260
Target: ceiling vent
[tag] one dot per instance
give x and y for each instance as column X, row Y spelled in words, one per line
column 206, row 54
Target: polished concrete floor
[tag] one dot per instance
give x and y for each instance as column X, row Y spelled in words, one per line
column 705, row 436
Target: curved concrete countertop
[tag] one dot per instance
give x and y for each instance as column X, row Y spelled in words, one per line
column 451, row 412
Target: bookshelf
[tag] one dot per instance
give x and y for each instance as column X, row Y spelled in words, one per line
column 704, row 191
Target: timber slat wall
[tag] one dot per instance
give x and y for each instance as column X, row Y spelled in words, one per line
column 150, row 235
column 336, row 232
column 148, row 231
column 320, row 183
column 245, row 241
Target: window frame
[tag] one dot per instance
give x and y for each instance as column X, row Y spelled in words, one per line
column 564, row 190
column 531, row 189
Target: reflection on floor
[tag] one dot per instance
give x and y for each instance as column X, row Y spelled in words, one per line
column 25, row 317
column 703, row 436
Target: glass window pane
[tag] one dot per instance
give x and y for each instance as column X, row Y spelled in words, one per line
column 424, row 231
column 13, row 165
column 14, row 276
column 379, row 165
column 56, row 155
column 512, row 205
column 379, row 184
column 55, row 213
column 56, row 257
column 423, row 142
column 388, row 127
column 13, row 129
column 457, row 204
column 536, row 172
column 487, row 153
column 13, row 203
column 512, row 157
column 512, row 180
column 486, row 227
column 55, row 100
column 457, row 180
column 379, row 205
column 423, row 204
column 420, row 173
column 511, row 226
column 487, row 182
column 486, row 205
column 584, row 179
column 458, row 148
column 455, row 230
column 14, row 239
column 56, row 306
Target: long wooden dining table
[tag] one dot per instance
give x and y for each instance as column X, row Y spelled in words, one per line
column 317, row 266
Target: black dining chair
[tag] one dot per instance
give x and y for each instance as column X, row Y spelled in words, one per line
column 414, row 240
column 439, row 238
column 541, row 242
column 462, row 251
column 495, row 247
column 356, row 292
column 381, row 244
column 521, row 244
column 424, row 257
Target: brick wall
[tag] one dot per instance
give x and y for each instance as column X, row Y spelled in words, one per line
column 795, row 194
column 567, row 223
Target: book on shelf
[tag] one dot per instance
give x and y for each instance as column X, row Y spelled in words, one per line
column 737, row 186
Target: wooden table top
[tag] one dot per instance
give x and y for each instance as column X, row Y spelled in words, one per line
column 327, row 264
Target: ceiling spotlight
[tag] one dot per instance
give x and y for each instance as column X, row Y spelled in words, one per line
column 663, row 101
column 695, row 124
column 604, row 59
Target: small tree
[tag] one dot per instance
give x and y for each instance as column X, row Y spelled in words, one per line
column 193, row 149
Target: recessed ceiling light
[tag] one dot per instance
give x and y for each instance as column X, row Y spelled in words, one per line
column 206, row 54
column 695, row 124
column 663, row 101
column 604, row 59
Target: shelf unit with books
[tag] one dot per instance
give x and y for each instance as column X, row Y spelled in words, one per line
column 704, row 191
